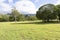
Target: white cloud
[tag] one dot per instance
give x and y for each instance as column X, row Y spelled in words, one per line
column 25, row 6
column 58, row 2
column 24, row 0
column 1, row 1
column 5, row 8
column 36, row 1
column 21, row 6
column 10, row 1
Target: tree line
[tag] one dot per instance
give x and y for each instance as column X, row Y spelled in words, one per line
column 16, row 16
column 48, row 12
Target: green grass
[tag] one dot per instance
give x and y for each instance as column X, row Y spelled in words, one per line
column 29, row 31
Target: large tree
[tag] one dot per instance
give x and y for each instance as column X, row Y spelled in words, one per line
column 58, row 11
column 46, row 12
column 15, row 14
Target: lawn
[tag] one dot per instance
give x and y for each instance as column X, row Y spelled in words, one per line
column 29, row 31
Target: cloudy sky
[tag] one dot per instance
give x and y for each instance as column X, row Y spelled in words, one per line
column 29, row 6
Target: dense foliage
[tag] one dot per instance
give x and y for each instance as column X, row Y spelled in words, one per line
column 48, row 12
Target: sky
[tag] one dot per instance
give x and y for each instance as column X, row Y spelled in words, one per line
column 28, row 6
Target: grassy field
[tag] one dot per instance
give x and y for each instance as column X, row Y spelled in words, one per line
column 29, row 31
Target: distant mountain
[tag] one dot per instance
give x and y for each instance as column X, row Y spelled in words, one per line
column 29, row 14
column 25, row 13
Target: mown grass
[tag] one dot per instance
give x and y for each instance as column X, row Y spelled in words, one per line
column 29, row 31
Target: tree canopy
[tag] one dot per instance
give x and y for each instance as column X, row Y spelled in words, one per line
column 46, row 12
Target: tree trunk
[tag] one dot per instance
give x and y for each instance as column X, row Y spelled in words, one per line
column 59, row 19
column 47, row 20
column 15, row 19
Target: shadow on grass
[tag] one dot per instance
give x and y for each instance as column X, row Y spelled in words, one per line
column 50, row 22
